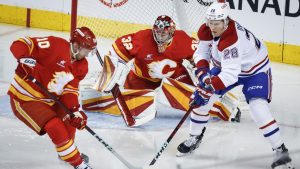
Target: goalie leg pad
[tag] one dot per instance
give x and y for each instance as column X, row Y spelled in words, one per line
column 139, row 102
column 174, row 94
column 227, row 109
column 219, row 110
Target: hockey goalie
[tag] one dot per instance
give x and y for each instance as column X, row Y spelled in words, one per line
column 155, row 71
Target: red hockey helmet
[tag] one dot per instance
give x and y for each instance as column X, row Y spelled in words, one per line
column 84, row 37
column 163, row 29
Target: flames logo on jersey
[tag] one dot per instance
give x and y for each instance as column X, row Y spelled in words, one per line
column 56, row 85
column 156, row 69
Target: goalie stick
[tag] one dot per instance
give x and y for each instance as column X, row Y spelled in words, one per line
column 128, row 118
column 166, row 143
column 107, row 146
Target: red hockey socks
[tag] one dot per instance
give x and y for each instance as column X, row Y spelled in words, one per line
column 65, row 146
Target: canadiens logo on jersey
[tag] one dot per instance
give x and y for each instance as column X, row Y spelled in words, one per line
column 59, row 80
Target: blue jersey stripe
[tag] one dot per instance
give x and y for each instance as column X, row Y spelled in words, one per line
column 244, row 75
column 272, row 132
column 198, row 121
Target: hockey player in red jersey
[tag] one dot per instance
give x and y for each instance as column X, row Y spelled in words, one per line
column 59, row 65
column 239, row 58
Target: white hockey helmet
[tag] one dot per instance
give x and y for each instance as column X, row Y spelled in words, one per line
column 217, row 11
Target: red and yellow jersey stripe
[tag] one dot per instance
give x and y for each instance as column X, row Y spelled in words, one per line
column 22, row 90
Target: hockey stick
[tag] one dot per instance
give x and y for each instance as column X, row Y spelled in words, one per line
column 129, row 120
column 69, row 113
column 173, row 134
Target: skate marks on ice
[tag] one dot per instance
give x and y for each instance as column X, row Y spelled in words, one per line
column 238, row 146
column 249, row 162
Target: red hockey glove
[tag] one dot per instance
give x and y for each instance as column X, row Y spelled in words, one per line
column 30, row 62
column 26, row 67
column 79, row 120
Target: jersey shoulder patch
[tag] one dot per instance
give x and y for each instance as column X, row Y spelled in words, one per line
column 141, row 36
column 229, row 37
column 204, row 33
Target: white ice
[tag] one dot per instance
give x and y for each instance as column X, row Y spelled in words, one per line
column 225, row 145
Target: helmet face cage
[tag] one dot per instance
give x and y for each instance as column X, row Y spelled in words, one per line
column 163, row 29
column 84, row 37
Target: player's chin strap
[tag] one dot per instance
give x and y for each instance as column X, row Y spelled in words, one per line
column 107, row 146
column 119, row 98
column 74, row 54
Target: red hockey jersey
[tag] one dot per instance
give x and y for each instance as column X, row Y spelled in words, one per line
column 54, row 69
column 148, row 62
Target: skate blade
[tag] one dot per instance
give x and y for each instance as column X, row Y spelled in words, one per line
column 290, row 165
column 285, row 166
column 179, row 154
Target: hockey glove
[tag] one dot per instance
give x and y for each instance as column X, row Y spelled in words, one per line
column 202, row 95
column 203, row 76
column 79, row 120
column 30, row 62
column 26, row 67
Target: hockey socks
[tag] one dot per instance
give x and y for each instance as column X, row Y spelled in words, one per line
column 65, row 146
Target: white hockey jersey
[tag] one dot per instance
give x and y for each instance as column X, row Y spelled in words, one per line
column 237, row 52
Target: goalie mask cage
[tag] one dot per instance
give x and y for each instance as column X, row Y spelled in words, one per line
column 114, row 18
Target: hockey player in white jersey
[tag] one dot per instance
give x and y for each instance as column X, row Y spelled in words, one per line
column 239, row 58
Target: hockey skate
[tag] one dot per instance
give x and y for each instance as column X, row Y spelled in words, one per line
column 83, row 165
column 237, row 117
column 84, row 157
column 189, row 145
column 282, row 159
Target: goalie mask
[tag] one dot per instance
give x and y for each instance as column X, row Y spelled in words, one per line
column 85, row 42
column 163, row 31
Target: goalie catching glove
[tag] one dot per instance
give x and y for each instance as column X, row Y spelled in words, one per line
column 114, row 72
